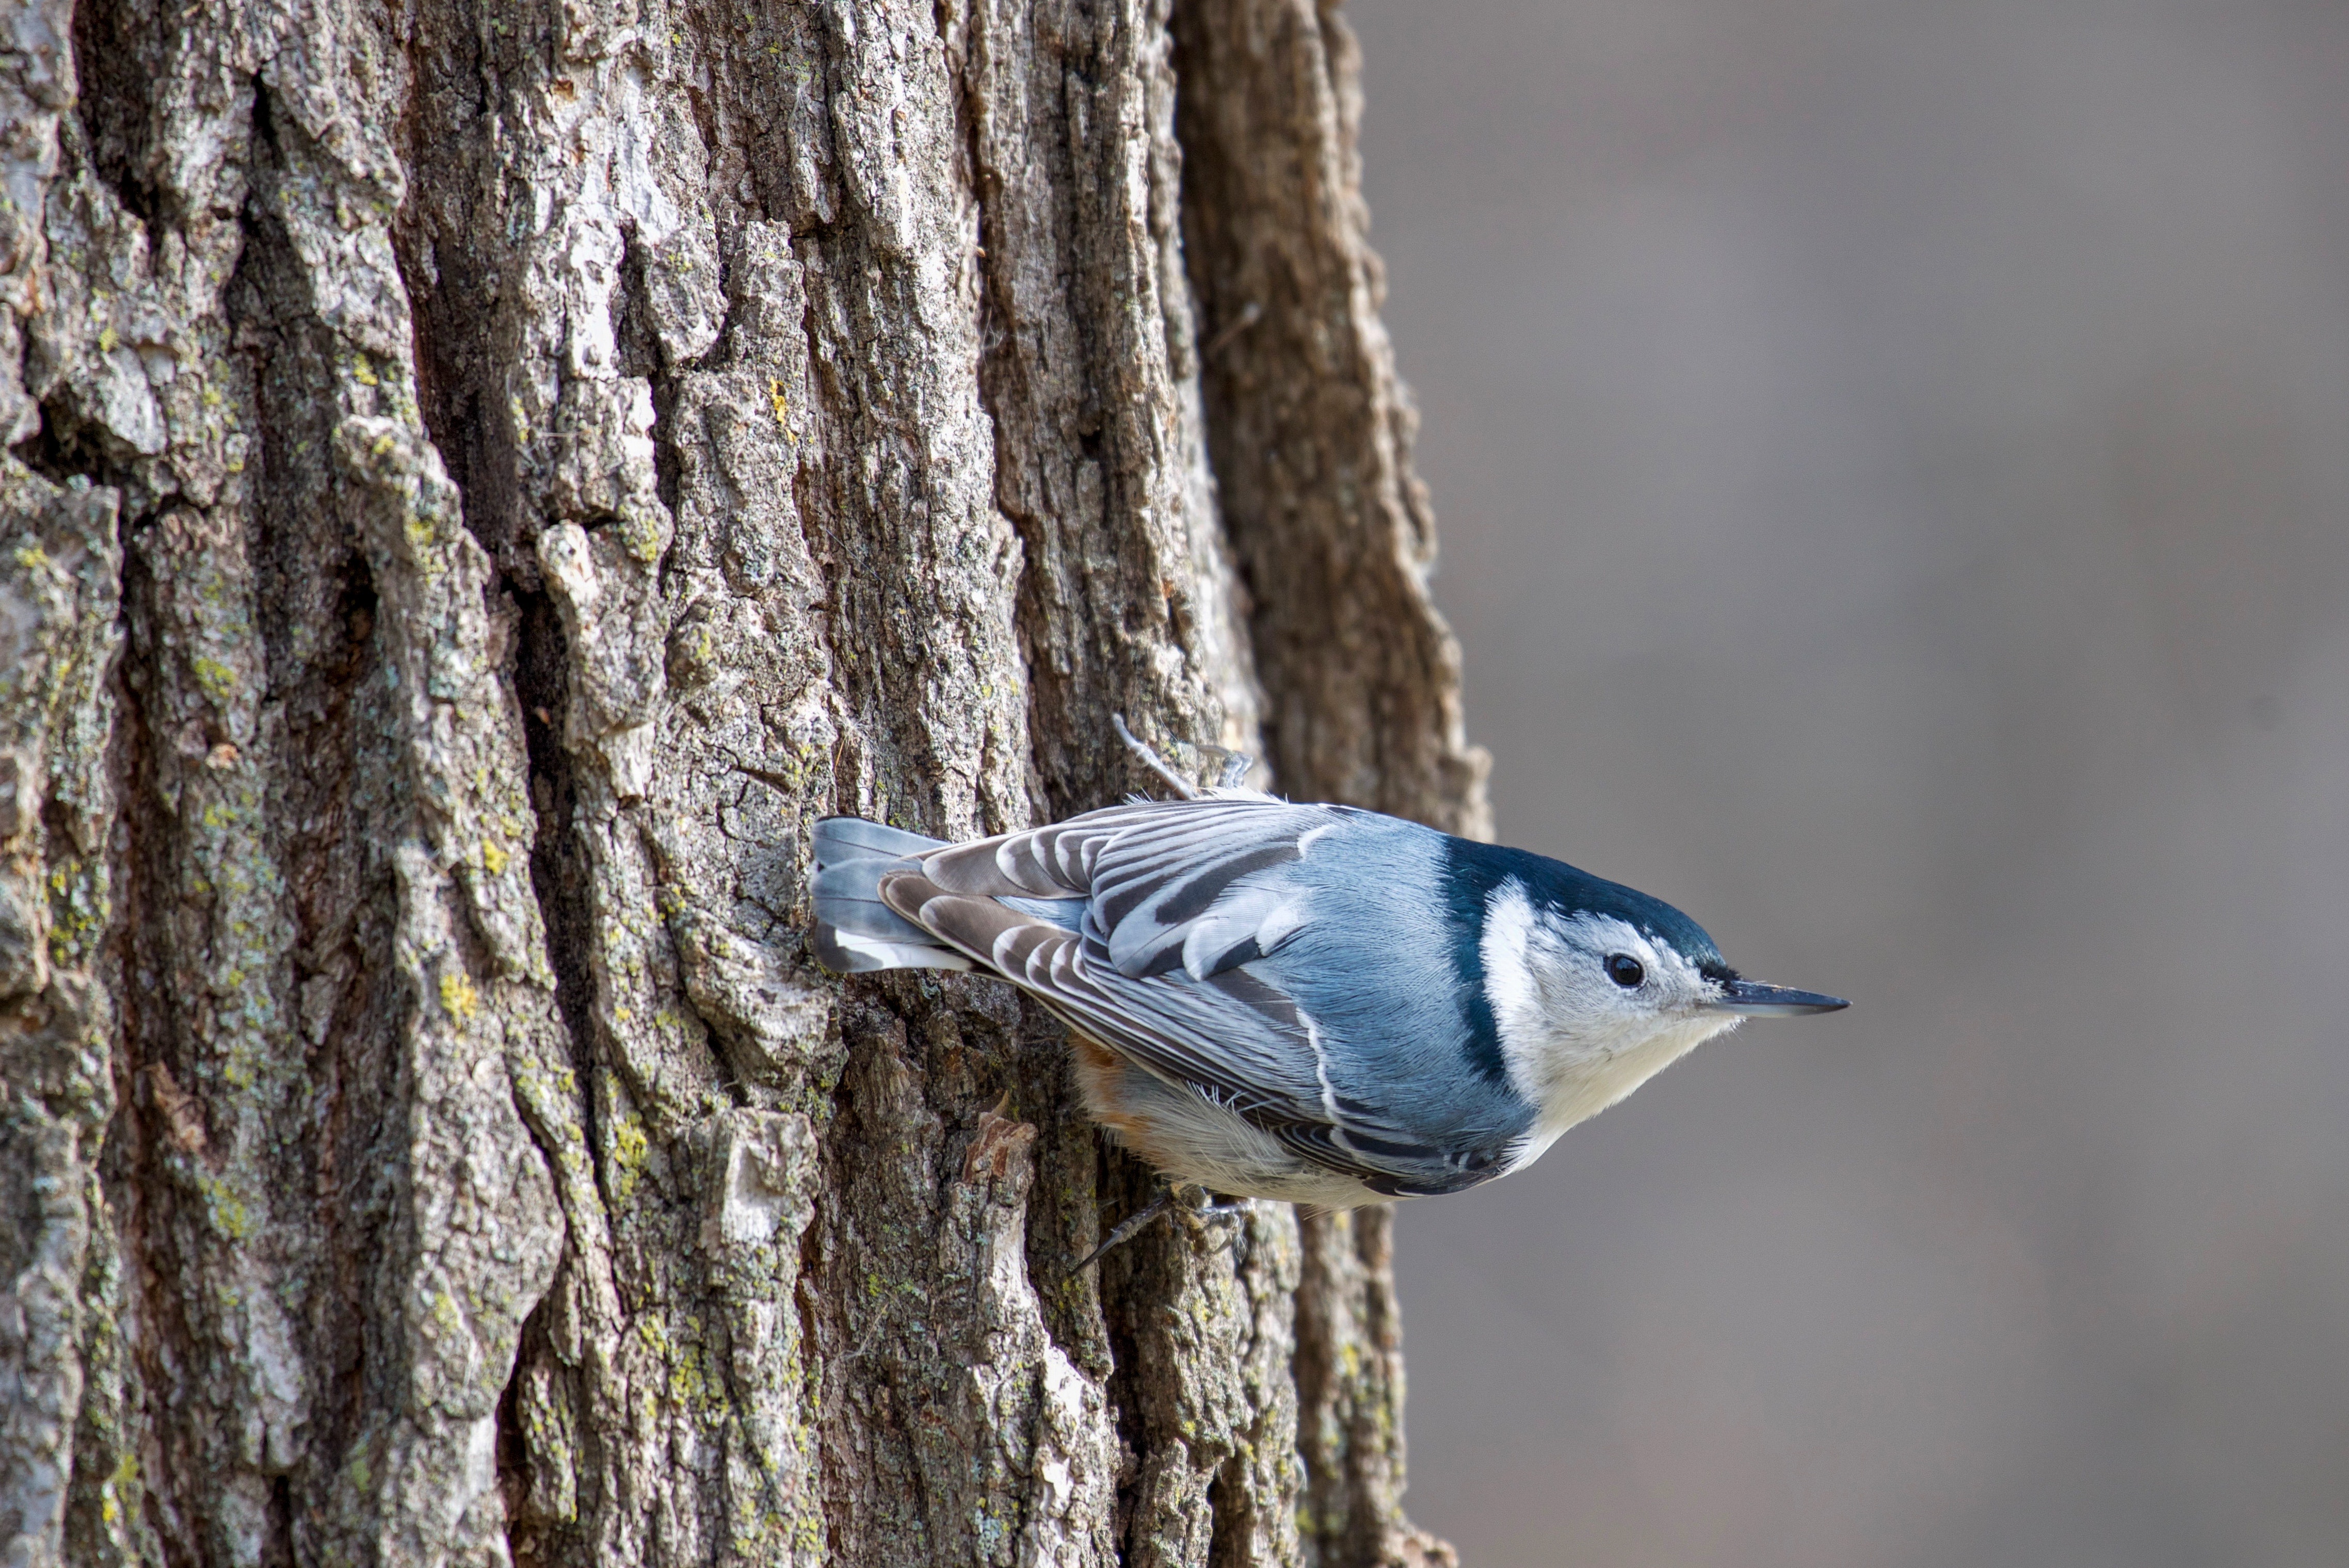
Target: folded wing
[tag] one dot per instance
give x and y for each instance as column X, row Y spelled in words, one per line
column 1145, row 926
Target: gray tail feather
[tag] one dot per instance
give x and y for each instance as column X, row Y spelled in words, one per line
column 855, row 933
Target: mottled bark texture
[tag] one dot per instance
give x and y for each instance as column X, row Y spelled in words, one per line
column 481, row 479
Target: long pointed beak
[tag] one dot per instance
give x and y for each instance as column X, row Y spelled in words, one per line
column 1755, row 1000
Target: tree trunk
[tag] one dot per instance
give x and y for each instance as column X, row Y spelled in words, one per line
column 484, row 480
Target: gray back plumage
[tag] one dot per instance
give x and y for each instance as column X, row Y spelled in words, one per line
column 1377, row 966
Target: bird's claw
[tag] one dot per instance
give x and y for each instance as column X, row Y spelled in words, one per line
column 1125, row 1230
column 1211, row 1210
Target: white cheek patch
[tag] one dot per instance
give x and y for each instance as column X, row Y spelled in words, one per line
column 1513, row 936
column 1574, row 1043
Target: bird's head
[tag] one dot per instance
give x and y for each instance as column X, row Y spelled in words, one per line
column 1596, row 987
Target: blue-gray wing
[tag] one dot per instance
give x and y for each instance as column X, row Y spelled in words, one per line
column 1142, row 926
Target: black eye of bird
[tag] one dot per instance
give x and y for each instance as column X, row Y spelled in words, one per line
column 1624, row 970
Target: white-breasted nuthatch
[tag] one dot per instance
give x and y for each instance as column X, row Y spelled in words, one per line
column 1304, row 1002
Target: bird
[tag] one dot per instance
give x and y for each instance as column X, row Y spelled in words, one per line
column 1306, row 1001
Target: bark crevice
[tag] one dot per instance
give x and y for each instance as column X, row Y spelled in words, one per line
column 110, row 52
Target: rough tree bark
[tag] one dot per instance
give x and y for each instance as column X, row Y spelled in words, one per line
column 482, row 479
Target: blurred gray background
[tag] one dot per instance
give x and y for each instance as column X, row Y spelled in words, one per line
column 1893, row 462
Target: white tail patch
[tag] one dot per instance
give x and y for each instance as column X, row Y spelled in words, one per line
column 869, row 952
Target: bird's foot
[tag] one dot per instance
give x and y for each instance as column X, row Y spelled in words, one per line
column 1214, row 1210
column 1235, row 767
column 1208, row 1210
column 1125, row 1230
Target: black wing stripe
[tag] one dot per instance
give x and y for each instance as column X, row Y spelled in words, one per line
column 1169, row 959
column 1192, row 898
column 1244, row 951
column 1141, row 876
column 1254, row 993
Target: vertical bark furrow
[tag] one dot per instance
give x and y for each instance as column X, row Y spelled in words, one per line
column 217, row 1088
column 1350, row 1395
column 481, row 1227
column 336, row 1217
